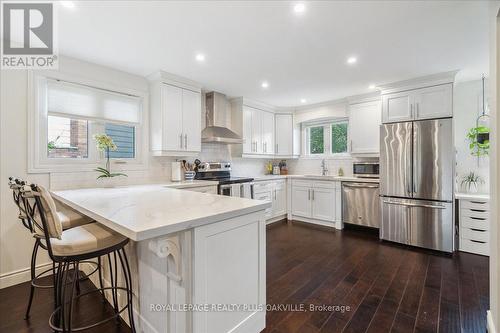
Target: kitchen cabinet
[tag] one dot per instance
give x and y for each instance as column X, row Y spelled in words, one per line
column 423, row 103
column 265, row 132
column 175, row 120
column 284, row 134
column 275, row 192
column 258, row 131
column 314, row 199
column 364, row 127
column 474, row 225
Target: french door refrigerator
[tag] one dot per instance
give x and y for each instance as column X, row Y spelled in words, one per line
column 416, row 183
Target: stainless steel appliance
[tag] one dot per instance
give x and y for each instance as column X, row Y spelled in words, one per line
column 416, row 183
column 366, row 169
column 227, row 185
column 360, row 204
column 217, row 118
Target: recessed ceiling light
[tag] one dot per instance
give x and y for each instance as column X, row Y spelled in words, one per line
column 265, row 84
column 67, row 4
column 299, row 8
column 200, row 57
column 372, row 86
column 352, row 60
column 303, row 100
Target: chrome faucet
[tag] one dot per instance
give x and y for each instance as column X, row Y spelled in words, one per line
column 324, row 168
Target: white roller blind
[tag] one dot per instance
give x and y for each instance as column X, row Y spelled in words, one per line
column 79, row 101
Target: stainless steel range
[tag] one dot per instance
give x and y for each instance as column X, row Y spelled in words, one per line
column 229, row 186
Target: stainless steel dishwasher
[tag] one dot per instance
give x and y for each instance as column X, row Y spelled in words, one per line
column 360, row 204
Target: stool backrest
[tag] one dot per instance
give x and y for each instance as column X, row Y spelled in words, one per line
column 15, row 185
column 41, row 210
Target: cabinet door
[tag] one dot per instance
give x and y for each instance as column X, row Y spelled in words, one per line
column 248, row 145
column 266, row 196
column 395, row 219
column 323, row 204
column 397, row 107
column 284, row 134
column 279, row 200
column 191, row 120
column 267, row 133
column 257, row 131
column 364, row 127
column 171, row 106
column 434, row 102
column 301, row 201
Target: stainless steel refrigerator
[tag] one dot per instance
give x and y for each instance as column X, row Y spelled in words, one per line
column 416, row 183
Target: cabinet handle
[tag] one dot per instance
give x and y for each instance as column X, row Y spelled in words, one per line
column 411, row 110
column 417, row 110
column 276, row 149
column 312, row 194
column 185, row 141
column 350, row 148
column 309, row 194
column 180, row 140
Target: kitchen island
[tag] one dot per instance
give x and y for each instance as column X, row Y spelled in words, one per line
column 198, row 259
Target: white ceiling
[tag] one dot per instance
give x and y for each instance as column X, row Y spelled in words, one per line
column 301, row 56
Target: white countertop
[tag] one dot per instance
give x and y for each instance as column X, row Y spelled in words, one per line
column 472, row 196
column 146, row 211
column 318, row 177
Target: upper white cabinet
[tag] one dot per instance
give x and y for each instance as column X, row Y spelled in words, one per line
column 397, row 107
column 265, row 133
column 284, row 134
column 175, row 117
column 424, row 103
column 364, row 123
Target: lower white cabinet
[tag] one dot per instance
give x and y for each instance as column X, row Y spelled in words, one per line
column 314, row 199
column 275, row 192
column 474, row 226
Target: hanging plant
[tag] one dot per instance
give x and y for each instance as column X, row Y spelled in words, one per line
column 479, row 140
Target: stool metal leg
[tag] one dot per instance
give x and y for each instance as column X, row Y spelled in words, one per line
column 128, row 282
column 33, row 275
column 72, row 298
column 101, row 284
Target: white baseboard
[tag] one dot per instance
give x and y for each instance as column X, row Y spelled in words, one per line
column 276, row 219
column 21, row 275
column 314, row 221
column 491, row 324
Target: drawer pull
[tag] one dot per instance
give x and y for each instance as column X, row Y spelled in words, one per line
column 478, row 218
column 478, row 210
column 479, row 230
column 478, row 202
column 475, row 241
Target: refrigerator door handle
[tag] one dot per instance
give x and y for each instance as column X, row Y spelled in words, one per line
column 408, row 178
column 413, row 204
column 416, row 169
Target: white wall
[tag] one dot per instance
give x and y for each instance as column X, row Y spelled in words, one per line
column 467, row 106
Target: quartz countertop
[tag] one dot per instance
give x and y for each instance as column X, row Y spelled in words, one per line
column 317, row 177
column 146, row 211
column 472, row 196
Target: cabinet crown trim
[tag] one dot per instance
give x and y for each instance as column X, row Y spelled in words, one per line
column 175, row 80
column 420, row 82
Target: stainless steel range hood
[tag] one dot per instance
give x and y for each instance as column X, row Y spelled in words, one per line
column 217, row 116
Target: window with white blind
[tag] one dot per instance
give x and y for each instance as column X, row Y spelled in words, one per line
column 68, row 114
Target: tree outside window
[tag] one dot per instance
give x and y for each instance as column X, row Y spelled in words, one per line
column 316, row 141
column 339, row 138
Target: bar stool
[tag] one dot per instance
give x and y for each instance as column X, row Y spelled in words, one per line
column 69, row 219
column 69, row 248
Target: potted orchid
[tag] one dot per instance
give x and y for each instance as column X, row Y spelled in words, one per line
column 105, row 144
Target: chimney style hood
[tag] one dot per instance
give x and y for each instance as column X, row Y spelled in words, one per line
column 217, row 110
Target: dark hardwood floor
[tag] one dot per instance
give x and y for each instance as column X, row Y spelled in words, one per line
column 388, row 288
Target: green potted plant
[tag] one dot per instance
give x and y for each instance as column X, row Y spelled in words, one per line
column 105, row 144
column 471, row 181
column 479, row 140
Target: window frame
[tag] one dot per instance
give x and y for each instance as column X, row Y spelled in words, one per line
column 327, row 139
column 39, row 162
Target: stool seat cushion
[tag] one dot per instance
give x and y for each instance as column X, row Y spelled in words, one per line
column 70, row 218
column 85, row 239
